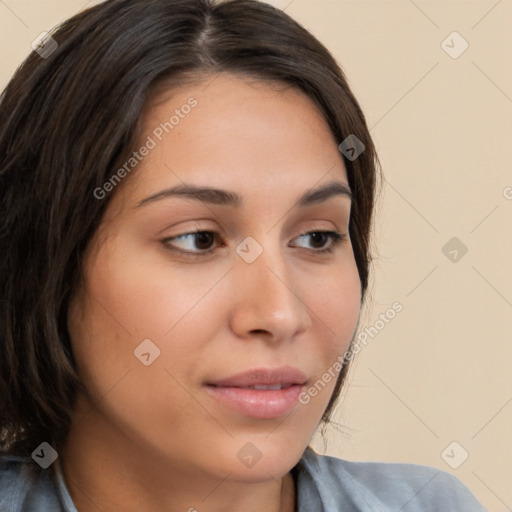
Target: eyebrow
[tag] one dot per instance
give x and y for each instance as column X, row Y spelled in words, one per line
column 226, row 198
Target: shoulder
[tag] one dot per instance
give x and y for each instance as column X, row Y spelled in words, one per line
column 25, row 487
column 381, row 486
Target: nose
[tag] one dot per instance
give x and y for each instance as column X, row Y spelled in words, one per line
column 267, row 298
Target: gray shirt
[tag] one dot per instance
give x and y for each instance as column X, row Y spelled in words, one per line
column 324, row 484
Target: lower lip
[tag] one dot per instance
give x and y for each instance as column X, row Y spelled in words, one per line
column 263, row 404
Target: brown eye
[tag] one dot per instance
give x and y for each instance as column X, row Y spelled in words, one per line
column 200, row 243
column 197, row 242
column 320, row 238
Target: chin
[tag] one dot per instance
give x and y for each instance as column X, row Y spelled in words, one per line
column 262, row 458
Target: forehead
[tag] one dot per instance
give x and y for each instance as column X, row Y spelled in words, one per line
column 233, row 132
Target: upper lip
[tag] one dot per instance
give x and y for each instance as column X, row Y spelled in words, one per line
column 263, row 377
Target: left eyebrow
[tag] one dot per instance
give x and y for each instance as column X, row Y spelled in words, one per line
column 227, row 198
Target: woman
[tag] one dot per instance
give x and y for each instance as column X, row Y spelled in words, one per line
column 187, row 196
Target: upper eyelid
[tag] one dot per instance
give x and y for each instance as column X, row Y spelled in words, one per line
column 224, row 231
column 217, row 233
column 336, row 216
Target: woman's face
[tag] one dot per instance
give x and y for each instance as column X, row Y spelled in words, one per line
column 161, row 337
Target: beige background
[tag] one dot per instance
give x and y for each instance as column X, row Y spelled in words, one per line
column 440, row 370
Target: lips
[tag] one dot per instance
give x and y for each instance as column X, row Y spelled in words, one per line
column 259, row 393
column 284, row 376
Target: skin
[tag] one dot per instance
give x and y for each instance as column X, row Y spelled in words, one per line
column 150, row 437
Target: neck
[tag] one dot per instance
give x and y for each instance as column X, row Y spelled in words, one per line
column 107, row 471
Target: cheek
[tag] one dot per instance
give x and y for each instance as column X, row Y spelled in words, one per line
column 335, row 308
column 334, row 301
column 128, row 300
column 149, row 293
column 145, row 400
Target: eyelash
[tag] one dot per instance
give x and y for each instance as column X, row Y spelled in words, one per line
column 336, row 237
